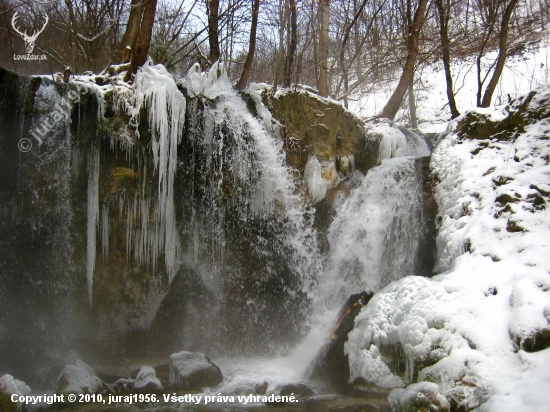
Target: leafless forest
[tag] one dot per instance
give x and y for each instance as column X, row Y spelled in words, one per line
column 338, row 47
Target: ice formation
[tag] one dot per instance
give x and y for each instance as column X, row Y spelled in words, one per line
column 316, row 186
column 397, row 143
column 469, row 328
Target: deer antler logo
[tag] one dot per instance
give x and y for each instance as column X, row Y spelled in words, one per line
column 29, row 40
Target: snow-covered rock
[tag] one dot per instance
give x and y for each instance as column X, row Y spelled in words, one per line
column 14, row 386
column 193, row 370
column 147, row 381
column 419, row 397
column 78, row 378
column 469, row 328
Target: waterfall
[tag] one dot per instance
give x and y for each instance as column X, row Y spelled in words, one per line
column 376, row 232
column 93, row 216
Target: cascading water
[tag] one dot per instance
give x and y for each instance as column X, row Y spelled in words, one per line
column 200, row 239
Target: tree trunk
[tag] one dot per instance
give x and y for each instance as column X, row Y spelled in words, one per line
column 128, row 42
column 412, row 105
column 280, row 56
column 293, row 42
column 343, row 49
column 141, row 51
column 501, row 59
column 444, row 14
column 391, row 108
column 251, row 47
column 213, row 31
column 323, row 48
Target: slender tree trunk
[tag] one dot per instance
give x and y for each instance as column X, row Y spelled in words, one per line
column 412, row 105
column 293, row 42
column 323, row 48
column 444, row 15
column 280, row 56
column 213, row 7
column 251, row 47
column 501, row 59
column 391, row 108
column 128, row 42
column 141, row 51
column 343, row 49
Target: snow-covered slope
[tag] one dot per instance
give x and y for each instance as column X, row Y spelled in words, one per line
column 521, row 74
column 480, row 329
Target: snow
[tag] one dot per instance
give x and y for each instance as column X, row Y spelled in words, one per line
column 520, row 74
column 464, row 328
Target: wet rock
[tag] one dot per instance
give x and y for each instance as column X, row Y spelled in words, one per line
column 367, row 407
column 260, row 389
column 78, row 379
column 296, row 389
column 419, row 397
column 193, row 371
column 331, row 365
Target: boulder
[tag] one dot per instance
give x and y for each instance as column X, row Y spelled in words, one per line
column 296, row 389
column 78, row 379
column 419, row 397
column 315, row 125
column 193, row 371
column 147, row 381
column 331, row 365
column 11, row 386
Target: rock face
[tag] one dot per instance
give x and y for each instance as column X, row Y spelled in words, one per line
column 193, row 371
column 78, row 379
column 332, row 365
column 314, row 125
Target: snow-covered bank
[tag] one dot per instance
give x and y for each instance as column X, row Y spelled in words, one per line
column 479, row 329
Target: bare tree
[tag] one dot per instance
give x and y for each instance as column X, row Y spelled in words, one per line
column 444, row 14
column 323, row 86
column 391, row 108
column 502, row 50
column 251, row 47
column 141, row 51
column 213, row 7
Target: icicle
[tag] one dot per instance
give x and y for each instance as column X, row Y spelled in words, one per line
column 93, row 215
column 316, row 186
column 156, row 90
